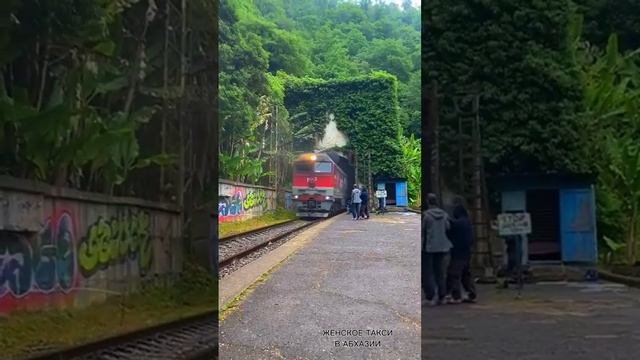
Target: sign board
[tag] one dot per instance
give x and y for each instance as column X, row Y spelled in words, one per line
column 514, row 224
column 381, row 193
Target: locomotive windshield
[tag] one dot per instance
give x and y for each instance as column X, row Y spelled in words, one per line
column 303, row 166
column 323, row 167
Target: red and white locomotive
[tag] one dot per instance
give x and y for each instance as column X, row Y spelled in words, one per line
column 319, row 185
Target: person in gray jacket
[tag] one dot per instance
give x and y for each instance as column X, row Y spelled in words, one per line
column 355, row 202
column 435, row 251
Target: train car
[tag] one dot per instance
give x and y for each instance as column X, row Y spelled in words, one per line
column 320, row 185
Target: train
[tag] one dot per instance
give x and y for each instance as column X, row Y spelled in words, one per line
column 322, row 182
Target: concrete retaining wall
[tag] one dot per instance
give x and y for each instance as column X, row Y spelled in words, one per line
column 62, row 248
column 238, row 201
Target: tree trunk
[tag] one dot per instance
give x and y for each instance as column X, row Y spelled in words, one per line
column 631, row 236
column 43, row 73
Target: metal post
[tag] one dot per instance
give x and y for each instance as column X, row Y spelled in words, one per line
column 181, row 129
column 520, row 279
column 370, row 183
column 165, row 107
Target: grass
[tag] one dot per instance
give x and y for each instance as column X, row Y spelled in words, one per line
column 23, row 333
column 270, row 218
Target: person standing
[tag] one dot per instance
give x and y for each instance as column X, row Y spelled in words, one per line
column 355, row 202
column 459, row 274
column 364, row 207
column 435, row 251
column 381, row 195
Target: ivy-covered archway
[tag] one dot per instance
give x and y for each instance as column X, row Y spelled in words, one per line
column 365, row 109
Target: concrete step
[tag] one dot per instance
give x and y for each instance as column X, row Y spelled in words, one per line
column 558, row 272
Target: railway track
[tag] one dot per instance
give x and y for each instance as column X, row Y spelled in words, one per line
column 254, row 231
column 191, row 338
column 233, row 248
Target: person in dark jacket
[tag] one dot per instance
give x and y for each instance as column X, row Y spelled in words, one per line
column 459, row 274
column 364, row 207
column 435, row 251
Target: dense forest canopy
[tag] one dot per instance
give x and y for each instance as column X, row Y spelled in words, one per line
column 264, row 42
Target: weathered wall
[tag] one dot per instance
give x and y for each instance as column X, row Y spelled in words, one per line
column 63, row 248
column 288, row 200
column 237, row 201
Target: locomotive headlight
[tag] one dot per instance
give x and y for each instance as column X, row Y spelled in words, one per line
column 327, row 197
column 295, row 196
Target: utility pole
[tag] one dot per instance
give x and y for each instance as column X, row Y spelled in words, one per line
column 431, row 158
column 276, row 152
column 165, row 105
column 356, row 167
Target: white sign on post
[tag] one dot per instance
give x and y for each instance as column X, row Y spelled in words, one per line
column 514, row 224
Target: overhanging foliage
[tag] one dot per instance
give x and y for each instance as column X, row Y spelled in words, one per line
column 515, row 54
column 365, row 109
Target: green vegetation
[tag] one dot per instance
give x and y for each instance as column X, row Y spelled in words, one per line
column 559, row 94
column 92, row 97
column 25, row 332
column 611, row 83
column 515, row 52
column 365, row 110
column 266, row 45
column 270, row 218
column 87, row 90
column 412, row 168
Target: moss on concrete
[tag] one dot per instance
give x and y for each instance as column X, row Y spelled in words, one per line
column 270, row 218
column 23, row 333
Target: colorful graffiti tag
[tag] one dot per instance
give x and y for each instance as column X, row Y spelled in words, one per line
column 115, row 241
column 255, row 199
column 43, row 268
column 34, row 267
column 230, row 205
column 237, row 204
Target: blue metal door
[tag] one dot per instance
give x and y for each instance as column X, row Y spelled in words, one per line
column 401, row 194
column 577, row 226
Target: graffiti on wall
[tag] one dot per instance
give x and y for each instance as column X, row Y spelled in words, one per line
column 235, row 203
column 115, row 241
column 230, row 205
column 254, row 199
column 36, row 266
column 48, row 267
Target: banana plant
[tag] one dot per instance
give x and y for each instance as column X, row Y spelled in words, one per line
column 614, row 250
column 622, row 173
column 411, row 165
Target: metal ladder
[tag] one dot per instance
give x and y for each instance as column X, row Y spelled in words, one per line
column 471, row 178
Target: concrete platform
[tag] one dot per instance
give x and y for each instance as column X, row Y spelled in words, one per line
column 552, row 321
column 242, row 279
column 359, row 278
